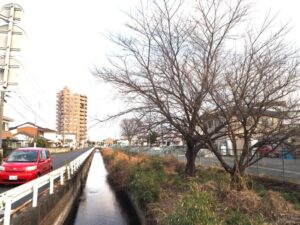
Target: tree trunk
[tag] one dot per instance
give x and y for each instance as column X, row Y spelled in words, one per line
column 237, row 182
column 190, row 154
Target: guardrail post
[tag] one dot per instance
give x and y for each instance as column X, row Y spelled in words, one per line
column 75, row 165
column 72, row 168
column 61, row 177
column 7, row 210
column 35, row 194
column 68, row 172
column 51, row 188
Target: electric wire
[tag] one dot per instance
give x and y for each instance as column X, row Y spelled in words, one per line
column 29, row 107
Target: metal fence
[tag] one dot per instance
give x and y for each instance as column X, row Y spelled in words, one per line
column 281, row 169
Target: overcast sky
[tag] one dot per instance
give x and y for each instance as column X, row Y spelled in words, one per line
column 65, row 39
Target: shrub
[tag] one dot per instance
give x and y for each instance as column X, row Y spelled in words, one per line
column 193, row 208
column 145, row 180
column 155, row 163
column 144, row 185
column 119, row 174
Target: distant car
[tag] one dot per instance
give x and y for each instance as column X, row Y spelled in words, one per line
column 267, row 150
column 25, row 164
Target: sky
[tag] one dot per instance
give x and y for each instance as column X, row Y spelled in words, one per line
column 65, row 40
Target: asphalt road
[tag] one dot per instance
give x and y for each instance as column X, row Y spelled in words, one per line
column 58, row 160
column 276, row 168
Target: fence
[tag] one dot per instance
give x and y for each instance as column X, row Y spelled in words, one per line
column 9, row 197
column 282, row 169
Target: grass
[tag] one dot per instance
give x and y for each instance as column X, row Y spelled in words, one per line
column 293, row 198
column 193, row 208
column 257, row 187
column 239, row 218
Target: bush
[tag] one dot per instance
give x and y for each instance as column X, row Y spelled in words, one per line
column 145, row 181
column 119, row 174
column 193, row 208
column 145, row 186
column 155, row 163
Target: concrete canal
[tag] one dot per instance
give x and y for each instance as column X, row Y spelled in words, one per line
column 98, row 204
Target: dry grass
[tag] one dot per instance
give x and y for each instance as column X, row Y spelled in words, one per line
column 275, row 207
column 245, row 201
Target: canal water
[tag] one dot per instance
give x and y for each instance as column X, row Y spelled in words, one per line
column 98, row 204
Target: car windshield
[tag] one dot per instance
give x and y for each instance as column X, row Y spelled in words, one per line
column 23, row 156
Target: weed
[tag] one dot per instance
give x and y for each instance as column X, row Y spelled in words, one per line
column 257, row 187
column 193, row 208
column 293, row 198
column 180, row 167
column 144, row 185
column 238, row 218
column 177, row 182
column 119, row 174
column 145, row 180
column 214, row 174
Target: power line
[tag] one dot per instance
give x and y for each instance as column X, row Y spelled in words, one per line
column 29, row 106
column 37, row 86
column 18, row 112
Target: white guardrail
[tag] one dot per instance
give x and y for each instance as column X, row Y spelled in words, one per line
column 9, row 197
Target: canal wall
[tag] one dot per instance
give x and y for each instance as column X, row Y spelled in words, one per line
column 54, row 209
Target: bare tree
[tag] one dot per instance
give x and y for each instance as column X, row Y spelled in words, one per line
column 131, row 128
column 190, row 65
column 169, row 62
column 257, row 98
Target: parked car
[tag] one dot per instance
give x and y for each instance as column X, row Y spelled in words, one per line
column 267, row 150
column 25, row 164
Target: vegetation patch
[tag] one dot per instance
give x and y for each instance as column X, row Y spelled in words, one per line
column 167, row 197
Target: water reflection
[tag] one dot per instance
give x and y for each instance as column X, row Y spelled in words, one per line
column 98, row 205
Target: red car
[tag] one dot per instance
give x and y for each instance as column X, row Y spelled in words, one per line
column 267, row 150
column 25, row 164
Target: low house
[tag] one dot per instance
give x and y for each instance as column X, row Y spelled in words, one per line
column 25, row 134
column 8, row 143
column 267, row 123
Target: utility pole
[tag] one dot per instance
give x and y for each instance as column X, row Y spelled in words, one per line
column 1, row 120
column 9, row 40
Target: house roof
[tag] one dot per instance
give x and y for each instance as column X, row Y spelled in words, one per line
column 34, row 125
column 7, row 119
column 49, row 130
column 29, row 123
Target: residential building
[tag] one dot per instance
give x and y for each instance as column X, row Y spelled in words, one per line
column 25, row 133
column 108, row 141
column 268, row 124
column 6, row 134
column 71, row 115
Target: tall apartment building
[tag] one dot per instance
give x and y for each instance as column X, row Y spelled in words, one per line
column 71, row 115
